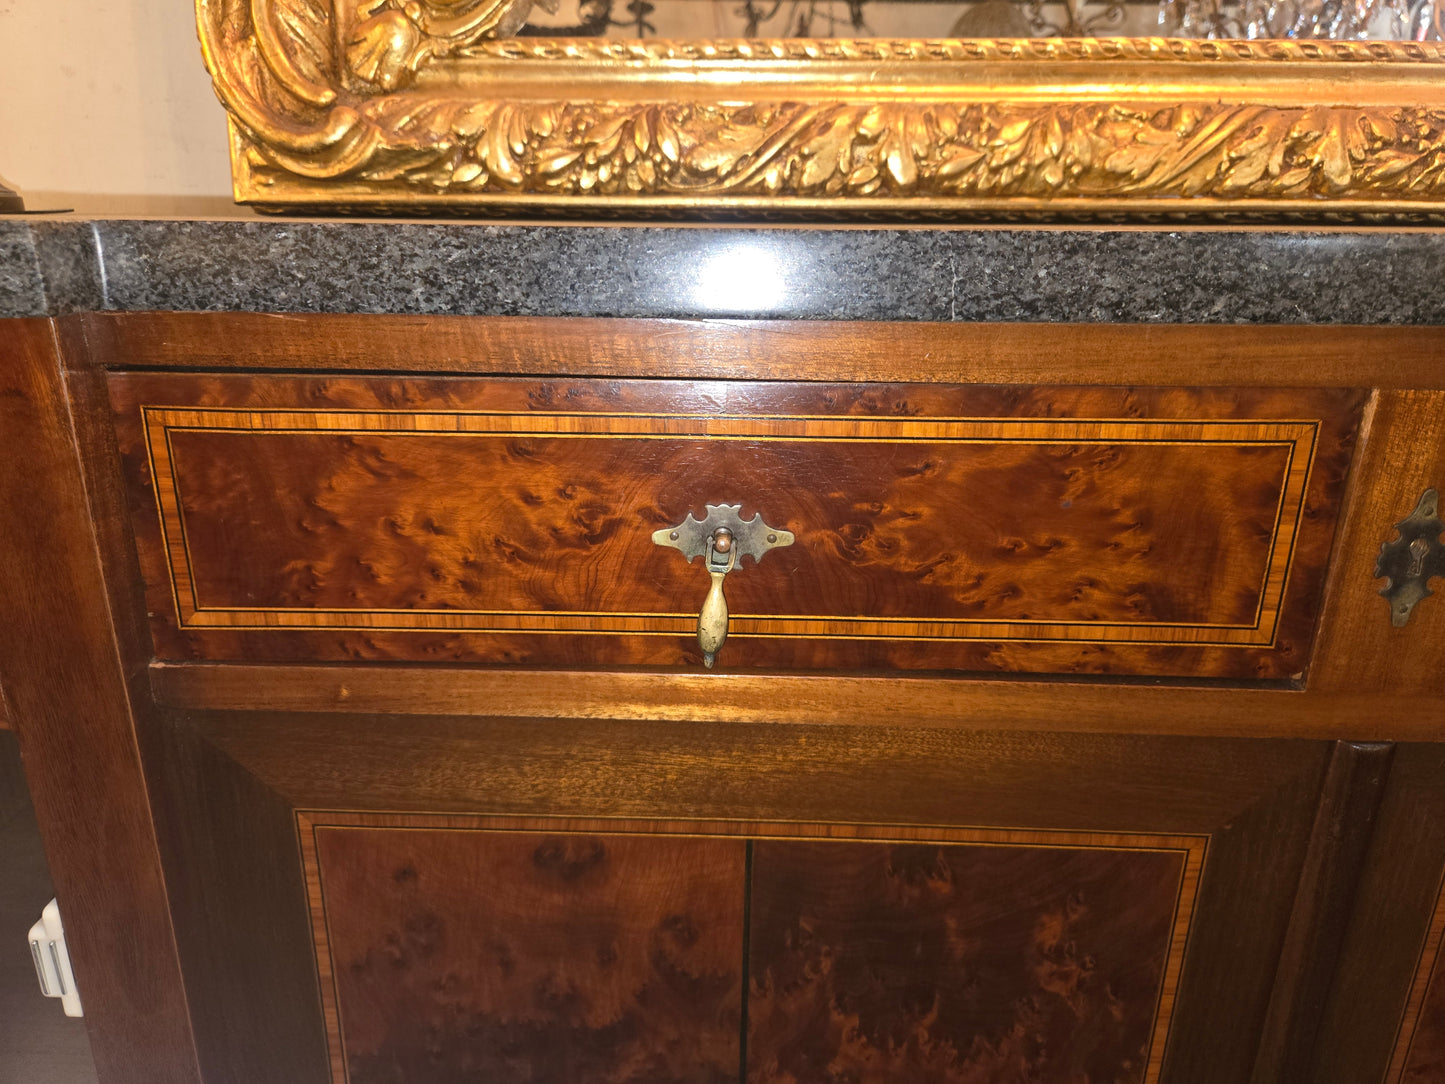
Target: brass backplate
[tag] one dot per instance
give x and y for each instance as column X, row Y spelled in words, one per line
column 751, row 538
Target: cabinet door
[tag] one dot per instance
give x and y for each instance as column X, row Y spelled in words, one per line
column 385, row 898
column 1385, row 1019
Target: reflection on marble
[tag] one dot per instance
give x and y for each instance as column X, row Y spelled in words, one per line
column 1067, row 275
column 69, row 259
column 746, row 276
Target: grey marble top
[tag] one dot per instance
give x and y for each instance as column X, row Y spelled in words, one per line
column 69, row 264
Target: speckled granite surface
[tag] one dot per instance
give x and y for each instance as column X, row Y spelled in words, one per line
column 1063, row 275
column 22, row 293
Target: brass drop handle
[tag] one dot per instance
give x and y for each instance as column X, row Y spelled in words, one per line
column 712, row 622
column 721, row 538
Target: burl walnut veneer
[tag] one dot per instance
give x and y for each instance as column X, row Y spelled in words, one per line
column 1070, row 739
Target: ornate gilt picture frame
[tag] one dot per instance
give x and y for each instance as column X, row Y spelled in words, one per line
column 431, row 105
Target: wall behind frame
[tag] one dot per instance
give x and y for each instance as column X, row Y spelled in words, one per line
column 107, row 97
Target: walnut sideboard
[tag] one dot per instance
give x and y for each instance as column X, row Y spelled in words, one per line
column 1060, row 731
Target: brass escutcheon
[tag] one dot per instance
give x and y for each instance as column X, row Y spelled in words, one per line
column 1408, row 562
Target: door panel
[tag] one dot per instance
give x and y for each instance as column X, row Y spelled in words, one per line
column 457, row 946
column 914, row 961
column 454, row 954
column 1114, row 905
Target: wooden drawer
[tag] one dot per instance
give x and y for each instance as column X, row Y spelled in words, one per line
column 1175, row 532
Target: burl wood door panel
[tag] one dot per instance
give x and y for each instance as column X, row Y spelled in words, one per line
column 1173, row 532
column 453, row 948
column 500, row 957
column 919, row 962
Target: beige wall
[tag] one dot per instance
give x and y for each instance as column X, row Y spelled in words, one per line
column 107, row 97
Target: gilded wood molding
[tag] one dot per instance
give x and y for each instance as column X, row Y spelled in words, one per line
column 362, row 104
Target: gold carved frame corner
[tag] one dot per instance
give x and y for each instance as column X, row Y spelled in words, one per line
column 431, row 105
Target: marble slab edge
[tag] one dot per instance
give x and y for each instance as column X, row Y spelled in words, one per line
column 22, row 291
column 427, row 268
column 50, row 267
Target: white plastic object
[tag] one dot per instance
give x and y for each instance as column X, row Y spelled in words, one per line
column 52, row 960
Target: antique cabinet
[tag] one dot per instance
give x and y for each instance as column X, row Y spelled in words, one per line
column 1069, row 739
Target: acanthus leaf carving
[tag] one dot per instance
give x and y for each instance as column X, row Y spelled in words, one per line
column 294, row 37
column 1070, row 151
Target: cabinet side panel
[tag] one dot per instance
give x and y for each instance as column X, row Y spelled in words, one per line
column 60, row 664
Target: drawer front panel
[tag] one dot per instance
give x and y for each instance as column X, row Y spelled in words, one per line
column 511, row 521
column 469, row 946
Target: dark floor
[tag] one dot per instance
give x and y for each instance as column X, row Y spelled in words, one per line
column 39, row 1044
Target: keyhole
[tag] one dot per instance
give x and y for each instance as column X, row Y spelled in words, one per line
column 1419, row 550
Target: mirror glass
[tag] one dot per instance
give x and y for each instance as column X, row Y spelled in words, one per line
column 1338, row 20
